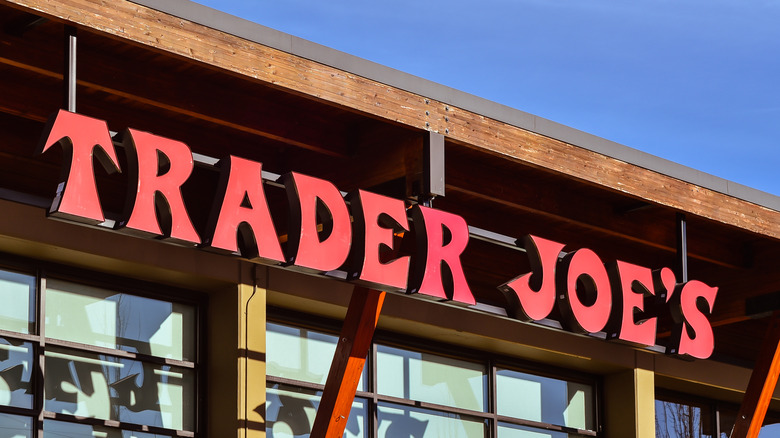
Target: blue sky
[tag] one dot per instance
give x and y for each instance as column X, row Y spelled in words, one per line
column 692, row 81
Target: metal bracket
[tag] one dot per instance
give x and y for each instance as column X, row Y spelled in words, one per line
column 433, row 168
column 69, row 73
column 682, row 248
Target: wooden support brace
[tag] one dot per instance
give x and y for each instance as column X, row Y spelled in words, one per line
column 347, row 366
column 762, row 384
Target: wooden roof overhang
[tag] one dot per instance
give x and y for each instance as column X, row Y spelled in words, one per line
column 220, row 93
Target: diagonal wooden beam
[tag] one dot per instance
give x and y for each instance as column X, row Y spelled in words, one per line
column 761, row 385
column 348, row 361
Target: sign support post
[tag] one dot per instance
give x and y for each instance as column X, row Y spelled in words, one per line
column 761, row 385
column 348, row 361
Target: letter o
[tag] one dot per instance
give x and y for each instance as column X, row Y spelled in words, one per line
column 586, row 267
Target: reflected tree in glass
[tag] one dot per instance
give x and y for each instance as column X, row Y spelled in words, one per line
column 111, row 388
column 16, row 358
column 679, row 420
column 290, row 414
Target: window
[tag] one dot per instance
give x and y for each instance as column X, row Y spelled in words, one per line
column 95, row 362
column 416, row 393
column 681, row 416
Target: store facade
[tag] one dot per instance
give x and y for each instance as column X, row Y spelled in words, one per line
column 535, row 281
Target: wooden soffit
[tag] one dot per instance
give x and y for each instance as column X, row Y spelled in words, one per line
column 162, row 32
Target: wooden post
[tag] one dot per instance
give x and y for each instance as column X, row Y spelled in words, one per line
column 762, row 384
column 354, row 343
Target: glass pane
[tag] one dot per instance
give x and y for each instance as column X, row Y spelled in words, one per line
column 545, row 400
column 109, row 319
column 15, row 426
column 111, row 388
column 301, row 354
column 431, row 378
column 681, row 420
column 16, row 359
column 17, row 293
column 74, row 430
column 406, row 422
column 515, row 431
column 290, row 414
column 727, row 417
column 767, row 431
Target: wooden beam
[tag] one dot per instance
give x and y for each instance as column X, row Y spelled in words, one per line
column 509, row 188
column 761, row 385
column 348, row 361
column 159, row 87
column 381, row 154
column 134, row 23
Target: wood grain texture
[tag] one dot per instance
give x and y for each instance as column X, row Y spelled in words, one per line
column 761, row 386
column 162, row 32
column 348, row 361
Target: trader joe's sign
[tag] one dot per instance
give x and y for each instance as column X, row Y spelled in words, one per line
column 590, row 296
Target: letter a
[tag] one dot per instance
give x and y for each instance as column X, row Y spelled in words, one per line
column 243, row 179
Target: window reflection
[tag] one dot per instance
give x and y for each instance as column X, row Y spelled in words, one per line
column 109, row 319
column 15, row 426
column 726, row 419
column 17, row 293
column 301, row 354
column 290, row 414
column 543, row 399
column 431, row 378
column 63, row 429
column 432, row 385
column 517, row 431
column 768, row 430
column 682, row 420
column 15, row 373
column 112, row 388
column 406, row 422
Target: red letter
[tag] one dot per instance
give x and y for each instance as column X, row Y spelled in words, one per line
column 435, row 250
column 376, row 217
column 309, row 196
column 693, row 335
column 242, row 179
column 532, row 296
column 79, row 136
column 630, row 285
column 581, row 275
column 148, row 155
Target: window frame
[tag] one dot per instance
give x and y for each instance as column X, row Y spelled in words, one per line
column 417, row 344
column 41, row 272
column 715, row 407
